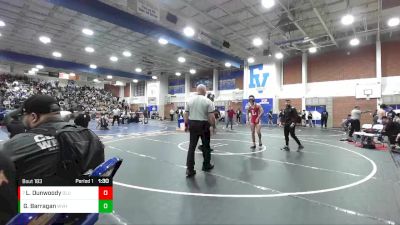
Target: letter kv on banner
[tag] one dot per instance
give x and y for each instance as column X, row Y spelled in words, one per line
column 256, row 72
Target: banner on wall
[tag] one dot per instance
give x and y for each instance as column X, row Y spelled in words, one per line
column 205, row 80
column 176, row 86
column 149, row 9
column 152, row 101
column 260, row 81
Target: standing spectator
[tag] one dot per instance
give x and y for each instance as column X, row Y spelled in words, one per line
column 303, row 118
column 116, row 113
column 375, row 117
column 381, row 113
column 103, row 122
column 238, row 115
column 230, row 113
column 199, row 117
column 270, row 117
column 280, row 117
column 355, row 121
column 145, row 115
column 324, row 118
column 310, row 118
column 171, row 114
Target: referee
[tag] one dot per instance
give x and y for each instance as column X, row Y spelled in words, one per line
column 199, row 116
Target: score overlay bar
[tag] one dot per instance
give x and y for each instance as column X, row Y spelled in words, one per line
column 93, row 197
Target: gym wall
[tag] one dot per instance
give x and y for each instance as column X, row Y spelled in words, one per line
column 390, row 59
column 335, row 74
column 127, row 90
column 292, row 71
column 339, row 65
column 296, row 102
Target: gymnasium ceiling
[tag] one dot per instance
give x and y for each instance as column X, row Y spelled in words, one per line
column 290, row 26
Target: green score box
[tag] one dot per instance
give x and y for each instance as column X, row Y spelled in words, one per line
column 105, row 206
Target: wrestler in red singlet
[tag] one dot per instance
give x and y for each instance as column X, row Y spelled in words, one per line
column 255, row 111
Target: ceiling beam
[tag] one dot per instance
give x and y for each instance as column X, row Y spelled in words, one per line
column 35, row 60
column 290, row 16
column 105, row 12
column 324, row 24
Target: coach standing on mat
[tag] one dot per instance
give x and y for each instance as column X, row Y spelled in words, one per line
column 199, row 116
column 290, row 117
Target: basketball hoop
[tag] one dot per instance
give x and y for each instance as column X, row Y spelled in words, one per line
column 367, row 93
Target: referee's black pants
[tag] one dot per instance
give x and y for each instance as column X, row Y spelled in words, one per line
column 199, row 129
column 290, row 130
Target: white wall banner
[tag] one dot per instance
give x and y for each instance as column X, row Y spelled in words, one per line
column 149, row 9
column 261, row 81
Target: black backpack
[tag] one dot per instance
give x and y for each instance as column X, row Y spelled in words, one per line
column 80, row 148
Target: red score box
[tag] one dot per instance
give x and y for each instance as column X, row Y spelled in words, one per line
column 105, row 193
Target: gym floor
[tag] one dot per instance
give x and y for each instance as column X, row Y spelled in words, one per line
column 329, row 182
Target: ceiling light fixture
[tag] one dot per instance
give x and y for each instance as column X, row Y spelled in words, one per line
column 162, row 41
column 392, row 22
column 154, row 77
column 31, row 72
column 178, row 74
column 227, row 64
column 192, row 71
column 87, row 31
column 89, row 49
column 267, row 3
column 354, row 42
column 188, row 31
column 279, row 55
column 57, row 54
column 347, row 19
column 44, row 39
column 257, row 41
column 135, row 81
column 250, row 60
column 181, row 59
column 138, row 70
column 93, row 66
column 109, row 76
column 2, row 24
column 35, row 69
column 39, row 67
column 127, row 54
column 114, row 58
column 312, row 50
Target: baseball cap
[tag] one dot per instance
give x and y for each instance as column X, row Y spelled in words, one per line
column 40, row 104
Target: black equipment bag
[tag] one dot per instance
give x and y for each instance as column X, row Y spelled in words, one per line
column 80, row 149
